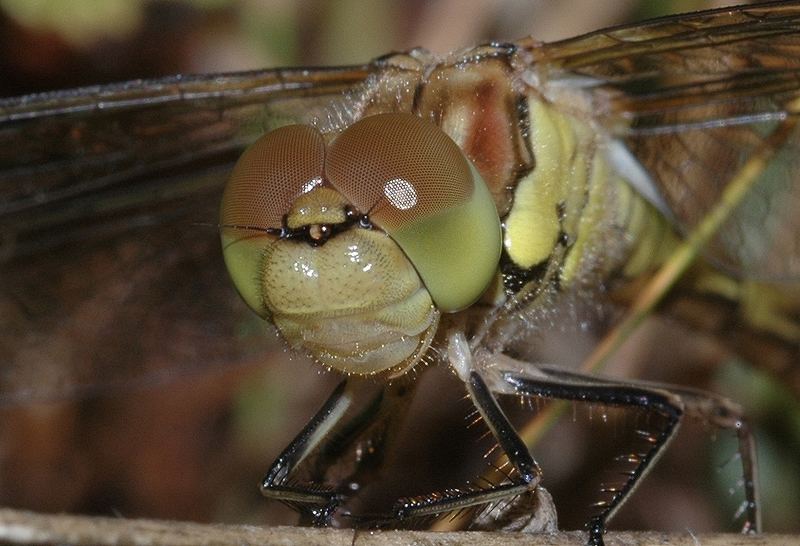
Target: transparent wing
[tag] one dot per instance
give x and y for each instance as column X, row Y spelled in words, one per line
column 692, row 97
column 105, row 276
column 78, row 155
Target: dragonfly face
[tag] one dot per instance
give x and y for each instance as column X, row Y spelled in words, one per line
column 358, row 299
column 515, row 112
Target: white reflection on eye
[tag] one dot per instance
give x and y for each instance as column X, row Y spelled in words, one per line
column 400, row 193
column 311, row 184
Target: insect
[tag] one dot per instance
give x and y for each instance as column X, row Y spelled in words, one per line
column 612, row 99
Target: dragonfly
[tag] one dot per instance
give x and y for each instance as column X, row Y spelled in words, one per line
column 653, row 122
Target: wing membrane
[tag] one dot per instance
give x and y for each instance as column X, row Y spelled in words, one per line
column 692, row 96
column 68, row 158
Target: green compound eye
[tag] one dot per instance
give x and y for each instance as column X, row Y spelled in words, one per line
column 415, row 183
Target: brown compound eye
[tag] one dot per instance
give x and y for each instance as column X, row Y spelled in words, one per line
column 415, row 183
column 398, row 168
column 269, row 176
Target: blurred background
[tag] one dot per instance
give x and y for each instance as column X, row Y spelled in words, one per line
column 49, row 44
column 193, row 444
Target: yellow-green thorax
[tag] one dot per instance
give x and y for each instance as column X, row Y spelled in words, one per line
column 574, row 206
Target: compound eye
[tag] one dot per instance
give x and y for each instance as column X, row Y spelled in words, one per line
column 415, row 183
column 268, row 177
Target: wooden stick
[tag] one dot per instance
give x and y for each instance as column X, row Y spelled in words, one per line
column 20, row 527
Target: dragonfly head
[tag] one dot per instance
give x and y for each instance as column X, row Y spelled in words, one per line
column 354, row 248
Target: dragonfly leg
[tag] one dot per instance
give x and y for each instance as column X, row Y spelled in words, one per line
column 320, row 501
column 357, row 412
column 673, row 403
column 525, row 478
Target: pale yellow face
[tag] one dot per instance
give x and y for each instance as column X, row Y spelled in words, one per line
column 354, row 248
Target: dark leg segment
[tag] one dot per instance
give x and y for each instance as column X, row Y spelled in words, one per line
column 612, row 395
column 672, row 403
column 320, row 501
column 709, row 408
column 356, row 412
column 527, row 473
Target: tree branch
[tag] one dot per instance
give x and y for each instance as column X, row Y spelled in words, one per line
column 20, row 527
